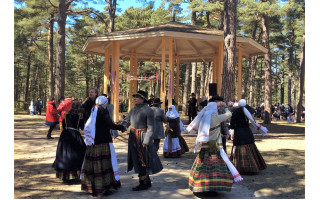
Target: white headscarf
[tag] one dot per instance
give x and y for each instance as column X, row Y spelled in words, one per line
column 202, row 124
column 263, row 130
column 90, row 126
column 173, row 114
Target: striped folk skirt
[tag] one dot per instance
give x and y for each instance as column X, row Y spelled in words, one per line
column 97, row 172
column 247, row 159
column 209, row 173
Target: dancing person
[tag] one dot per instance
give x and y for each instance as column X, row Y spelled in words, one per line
column 224, row 125
column 212, row 170
column 142, row 155
column 192, row 107
column 98, row 176
column 64, row 106
column 246, row 156
column 89, row 103
column 71, row 147
column 159, row 119
column 174, row 145
column 52, row 118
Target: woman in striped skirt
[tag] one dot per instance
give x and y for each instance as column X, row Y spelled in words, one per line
column 98, row 176
column 211, row 171
column 245, row 154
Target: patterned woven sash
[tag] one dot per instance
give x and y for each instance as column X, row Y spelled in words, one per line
column 138, row 133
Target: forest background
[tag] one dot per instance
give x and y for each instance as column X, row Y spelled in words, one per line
column 37, row 66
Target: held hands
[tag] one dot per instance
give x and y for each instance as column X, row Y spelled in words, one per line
column 144, row 145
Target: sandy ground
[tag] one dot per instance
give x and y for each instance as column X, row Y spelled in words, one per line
column 283, row 150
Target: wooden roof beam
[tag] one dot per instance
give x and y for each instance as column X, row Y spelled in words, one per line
column 194, row 47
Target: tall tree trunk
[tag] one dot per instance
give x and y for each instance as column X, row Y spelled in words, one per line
column 112, row 4
column 268, row 79
column 208, row 19
column 246, row 78
column 202, row 80
column 26, row 97
column 61, row 49
column 253, row 70
column 289, row 86
column 229, row 53
column 186, row 89
column 50, row 55
column 301, row 89
column 194, row 78
column 208, row 79
column 282, row 87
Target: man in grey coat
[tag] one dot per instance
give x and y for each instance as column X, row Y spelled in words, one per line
column 159, row 118
column 142, row 155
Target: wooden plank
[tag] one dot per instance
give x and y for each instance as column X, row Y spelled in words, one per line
column 177, row 82
column 162, row 73
column 116, row 82
column 239, row 73
column 131, row 82
column 106, row 77
column 171, row 71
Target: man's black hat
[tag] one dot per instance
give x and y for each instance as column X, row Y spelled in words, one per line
column 157, row 101
column 142, row 94
column 216, row 98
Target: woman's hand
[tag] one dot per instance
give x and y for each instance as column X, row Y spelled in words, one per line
column 144, row 145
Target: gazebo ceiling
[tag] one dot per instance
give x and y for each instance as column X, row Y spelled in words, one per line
column 191, row 43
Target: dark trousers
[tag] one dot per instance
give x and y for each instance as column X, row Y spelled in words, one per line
column 50, row 130
column 156, row 143
column 191, row 117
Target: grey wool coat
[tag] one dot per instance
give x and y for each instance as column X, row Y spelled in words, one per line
column 159, row 119
column 141, row 116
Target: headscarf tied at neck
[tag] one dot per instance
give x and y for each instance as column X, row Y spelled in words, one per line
column 173, row 114
column 263, row 130
column 202, row 124
column 90, row 126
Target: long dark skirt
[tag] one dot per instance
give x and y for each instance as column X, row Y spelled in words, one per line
column 209, row 173
column 149, row 157
column 69, row 155
column 97, row 173
column 247, row 158
column 183, row 145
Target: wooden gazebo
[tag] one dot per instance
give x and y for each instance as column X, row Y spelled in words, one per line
column 172, row 42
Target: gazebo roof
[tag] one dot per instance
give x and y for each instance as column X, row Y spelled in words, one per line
column 192, row 43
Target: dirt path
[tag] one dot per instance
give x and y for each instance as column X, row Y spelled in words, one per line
column 283, row 150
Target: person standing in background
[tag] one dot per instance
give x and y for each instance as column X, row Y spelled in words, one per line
column 159, row 118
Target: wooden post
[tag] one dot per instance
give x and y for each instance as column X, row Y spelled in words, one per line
column 177, row 82
column 131, row 82
column 171, row 70
column 162, row 73
column 115, row 71
column 106, row 78
column 239, row 73
column 214, row 68
column 220, row 68
column 116, row 82
column 135, row 72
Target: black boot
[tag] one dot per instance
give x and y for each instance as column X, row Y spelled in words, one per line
column 141, row 186
column 148, row 182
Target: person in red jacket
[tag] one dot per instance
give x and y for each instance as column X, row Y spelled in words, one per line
column 64, row 106
column 51, row 117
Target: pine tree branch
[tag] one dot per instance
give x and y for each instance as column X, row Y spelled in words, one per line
column 52, row 4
